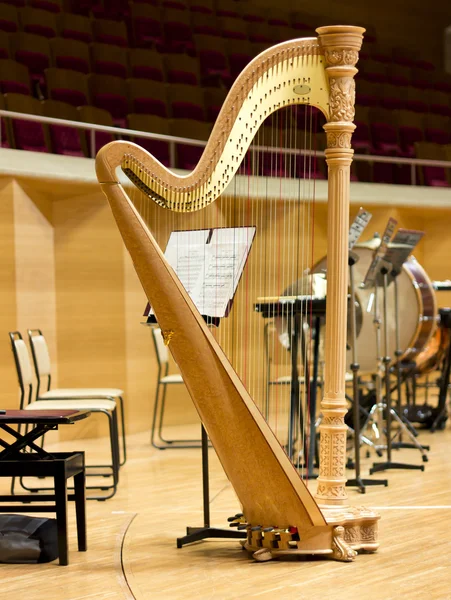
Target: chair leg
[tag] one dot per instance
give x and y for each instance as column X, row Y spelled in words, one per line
column 115, row 431
column 61, row 513
column 80, row 509
column 124, row 443
column 154, row 419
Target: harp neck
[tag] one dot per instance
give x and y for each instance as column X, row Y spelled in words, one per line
column 295, row 72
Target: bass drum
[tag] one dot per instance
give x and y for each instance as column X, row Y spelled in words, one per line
column 417, row 311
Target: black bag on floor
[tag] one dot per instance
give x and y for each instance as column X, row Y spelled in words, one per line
column 26, row 539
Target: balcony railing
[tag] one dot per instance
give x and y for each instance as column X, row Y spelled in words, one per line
column 413, row 163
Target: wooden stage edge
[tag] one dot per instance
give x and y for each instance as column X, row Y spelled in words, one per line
column 132, row 553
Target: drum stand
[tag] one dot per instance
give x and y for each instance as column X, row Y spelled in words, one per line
column 357, row 481
column 398, row 354
column 386, row 406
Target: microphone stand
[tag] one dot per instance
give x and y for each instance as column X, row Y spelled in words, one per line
column 357, row 481
column 389, row 411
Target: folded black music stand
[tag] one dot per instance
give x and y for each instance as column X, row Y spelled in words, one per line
column 196, row 534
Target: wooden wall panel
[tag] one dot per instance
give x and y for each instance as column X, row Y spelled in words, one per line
column 90, row 296
column 35, row 267
column 9, row 388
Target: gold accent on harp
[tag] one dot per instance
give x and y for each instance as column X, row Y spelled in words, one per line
column 167, row 336
column 269, row 488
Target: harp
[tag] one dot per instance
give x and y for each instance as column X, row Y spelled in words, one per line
column 280, row 514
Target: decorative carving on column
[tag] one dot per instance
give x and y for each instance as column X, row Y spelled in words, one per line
column 341, row 46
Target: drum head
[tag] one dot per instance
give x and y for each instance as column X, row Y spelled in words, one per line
column 410, row 310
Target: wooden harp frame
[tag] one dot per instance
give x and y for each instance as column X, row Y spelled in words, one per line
column 316, row 71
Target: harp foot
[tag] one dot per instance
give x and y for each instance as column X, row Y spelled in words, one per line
column 340, row 549
column 263, row 555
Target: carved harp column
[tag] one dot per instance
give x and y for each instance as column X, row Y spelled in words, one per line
column 341, row 50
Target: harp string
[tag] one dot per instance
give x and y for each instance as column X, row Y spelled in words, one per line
column 274, row 192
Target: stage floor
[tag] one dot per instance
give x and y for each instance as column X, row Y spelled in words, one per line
column 132, row 539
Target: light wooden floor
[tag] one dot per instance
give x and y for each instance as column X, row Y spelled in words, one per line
column 132, row 552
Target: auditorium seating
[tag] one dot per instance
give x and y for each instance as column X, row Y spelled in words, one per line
column 33, row 51
column 14, row 77
column 70, row 54
column 152, row 124
column 67, row 86
column 107, row 59
column 186, row 102
column 5, row 51
column 64, row 140
column 26, row 135
column 110, row 93
column 98, row 116
column 431, row 175
column 148, row 97
column 146, row 64
column 9, row 18
column 181, row 68
column 38, row 22
column 66, row 47
column 5, row 125
column 75, row 27
column 188, row 156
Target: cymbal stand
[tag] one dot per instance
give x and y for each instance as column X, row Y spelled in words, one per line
column 389, row 411
column 357, row 481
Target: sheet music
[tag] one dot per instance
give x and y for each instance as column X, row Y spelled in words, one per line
column 362, row 219
column 209, row 264
column 370, row 277
column 401, row 247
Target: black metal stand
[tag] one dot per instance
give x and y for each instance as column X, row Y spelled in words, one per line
column 196, row 534
column 440, row 419
column 389, row 464
column 357, row 481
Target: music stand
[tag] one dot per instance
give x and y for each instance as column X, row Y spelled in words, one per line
column 357, row 481
column 383, row 269
column 196, row 534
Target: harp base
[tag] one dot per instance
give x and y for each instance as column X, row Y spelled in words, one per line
column 348, row 531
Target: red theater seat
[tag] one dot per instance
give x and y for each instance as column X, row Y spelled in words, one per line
column 109, row 60
column 53, row 6
column 70, row 54
column 107, row 31
column 188, row 156
column 33, row 51
column 14, row 78
column 67, row 86
column 214, row 67
column 27, row 135
column 5, row 51
column 98, row 116
column 206, row 7
column 9, row 18
column 433, row 176
column 151, row 124
column 181, row 68
column 148, row 97
column 177, row 31
column 75, row 27
column 5, row 138
column 147, row 26
column 64, row 139
column 186, row 102
column 38, row 22
column 110, row 93
column 146, row 64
